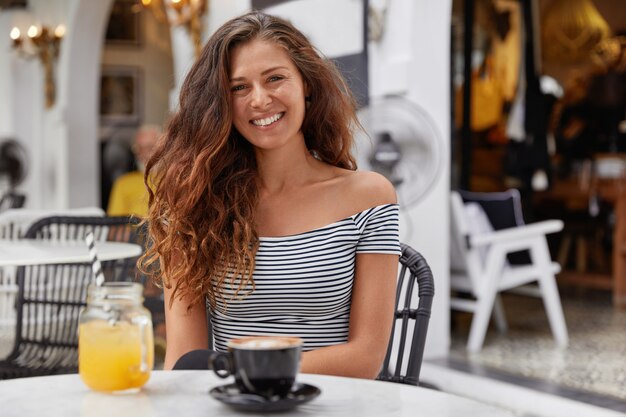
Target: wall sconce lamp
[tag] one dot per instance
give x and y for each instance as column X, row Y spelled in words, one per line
column 45, row 44
column 187, row 13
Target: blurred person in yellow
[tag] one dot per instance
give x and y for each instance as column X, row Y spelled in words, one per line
column 129, row 195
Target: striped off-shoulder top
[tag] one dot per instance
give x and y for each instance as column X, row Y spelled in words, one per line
column 303, row 282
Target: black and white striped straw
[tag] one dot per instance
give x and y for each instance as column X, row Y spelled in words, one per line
column 95, row 262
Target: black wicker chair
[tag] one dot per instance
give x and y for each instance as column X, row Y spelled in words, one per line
column 414, row 272
column 50, row 297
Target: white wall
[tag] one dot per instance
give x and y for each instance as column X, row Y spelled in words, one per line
column 79, row 87
column 335, row 27
column 429, row 87
column 61, row 141
column 22, row 102
column 412, row 60
column 221, row 11
column 6, row 76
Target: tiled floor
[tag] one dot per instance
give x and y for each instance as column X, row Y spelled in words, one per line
column 592, row 369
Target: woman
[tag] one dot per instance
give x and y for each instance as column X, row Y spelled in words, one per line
column 260, row 211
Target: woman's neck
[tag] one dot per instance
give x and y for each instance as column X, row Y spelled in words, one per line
column 283, row 169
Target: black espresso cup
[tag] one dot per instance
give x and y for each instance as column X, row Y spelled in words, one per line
column 262, row 365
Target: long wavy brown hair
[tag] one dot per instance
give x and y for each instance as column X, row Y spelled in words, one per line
column 203, row 175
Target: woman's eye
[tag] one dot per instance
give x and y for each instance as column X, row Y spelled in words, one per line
column 275, row 78
column 236, row 88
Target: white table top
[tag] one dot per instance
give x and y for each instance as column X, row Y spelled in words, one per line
column 185, row 393
column 40, row 252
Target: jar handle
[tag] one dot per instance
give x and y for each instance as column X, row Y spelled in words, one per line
column 144, row 328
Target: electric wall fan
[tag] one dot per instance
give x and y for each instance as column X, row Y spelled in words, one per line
column 13, row 170
column 402, row 143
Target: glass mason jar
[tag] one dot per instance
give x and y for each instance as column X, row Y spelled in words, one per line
column 115, row 341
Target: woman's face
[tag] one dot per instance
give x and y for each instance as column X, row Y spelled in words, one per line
column 267, row 94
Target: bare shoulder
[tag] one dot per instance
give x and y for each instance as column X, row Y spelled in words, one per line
column 368, row 189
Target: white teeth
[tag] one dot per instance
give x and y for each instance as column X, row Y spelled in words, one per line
column 267, row 120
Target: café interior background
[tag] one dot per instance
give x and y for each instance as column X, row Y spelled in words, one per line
column 120, row 65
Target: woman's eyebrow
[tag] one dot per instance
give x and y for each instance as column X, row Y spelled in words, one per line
column 236, row 79
column 273, row 69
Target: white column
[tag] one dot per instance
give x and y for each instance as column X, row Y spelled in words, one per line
column 6, row 61
column 22, row 101
column 413, row 60
column 76, row 123
column 429, row 80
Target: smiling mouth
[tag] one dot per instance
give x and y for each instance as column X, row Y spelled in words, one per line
column 268, row 120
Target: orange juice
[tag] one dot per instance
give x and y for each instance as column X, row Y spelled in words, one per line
column 110, row 355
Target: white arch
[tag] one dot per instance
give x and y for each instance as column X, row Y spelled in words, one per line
column 74, row 123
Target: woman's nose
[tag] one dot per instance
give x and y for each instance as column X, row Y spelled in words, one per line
column 260, row 97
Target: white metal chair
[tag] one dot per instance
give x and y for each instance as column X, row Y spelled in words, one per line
column 481, row 269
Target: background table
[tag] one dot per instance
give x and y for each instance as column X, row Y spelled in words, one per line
column 185, row 393
column 25, row 252
column 575, row 197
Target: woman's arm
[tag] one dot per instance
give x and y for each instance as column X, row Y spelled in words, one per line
column 186, row 328
column 371, row 317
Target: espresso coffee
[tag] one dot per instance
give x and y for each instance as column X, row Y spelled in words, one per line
column 264, row 365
